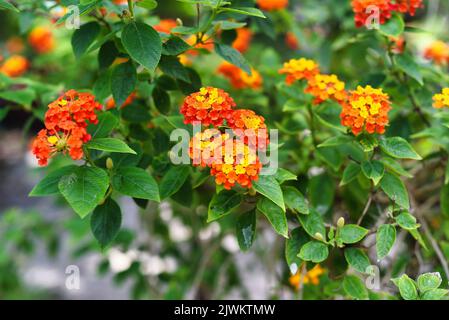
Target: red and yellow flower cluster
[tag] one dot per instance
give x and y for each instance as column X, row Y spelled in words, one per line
column 65, row 126
column 41, row 39
column 15, row 66
column 441, row 100
column 311, row 277
column 272, row 5
column 367, row 108
column 232, row 158
column 366, row 10
column 240, row 79
column 363, row 109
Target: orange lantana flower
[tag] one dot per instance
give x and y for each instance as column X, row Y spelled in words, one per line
column 65, row 126
column 210, row 106
column 15, row 66
column 298, row 69
column 367, row 108
column 243, row 39
column 311, row 277
column 438, row 51
column 41, row 39
column 165, row 25
column 271, row 5
column 441, row 100
column 250, row 127
column 323, row 87
column 239, row 78
column 363, row 10
column 409, row 6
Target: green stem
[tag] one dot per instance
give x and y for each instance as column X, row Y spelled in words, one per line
column 312, row 125
column 131, row 8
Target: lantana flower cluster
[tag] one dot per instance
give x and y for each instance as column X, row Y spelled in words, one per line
column 441, row 100
column 231, row 156
column 365, row 9
column 364, row 109
column 240, row 79
column 66, row 123
column 438, row 52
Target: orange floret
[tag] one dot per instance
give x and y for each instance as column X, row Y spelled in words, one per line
column 324, row 87
column 272, row 5
column 408, row 6
column 165, row 25
column 298, row 69
column 41, row 40
column 209, row 106
column 441, row 100
column 438, row 52
column 65, row 126
column 363, row 10
column 311, row 277
column 250, row 127
column 15, row 66
column 243, row 39
column 240, row 79
column 367, row 108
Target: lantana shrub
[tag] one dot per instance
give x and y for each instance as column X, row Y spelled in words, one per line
column 323, row 124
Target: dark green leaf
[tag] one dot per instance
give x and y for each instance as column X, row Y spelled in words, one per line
column 123, row 81
column 385, row 238
column 357, row 259
column 173, row 181
column 395, row 190
column 83, row 37
column 49, row 185
column 314, row 251
column 136, row 183
column 351, row 233
column 270, row 188
column 223, row 203
column 275, row 215
column 294, row 200
column 233, row 56
column 106, row 221
column 246, row 229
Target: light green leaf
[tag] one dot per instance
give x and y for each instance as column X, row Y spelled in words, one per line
column 394, row 188
column 49, row 185
column 434, row 294
column 407, row 221
column 398, row 147
column 373, row 170
column 314, row 251
column 5, row 5
column 248, row 11
column 270, row 188
column 393, row 27
column 407, row 64
column 312, row 223
column 357, row 259
column 233, row 56
column 283, row 175
column 336, row 141
column 109, row 145
column 385, row 238
column 354, row 287
column 136, row 183
column 147, row 4
column 84, row 188
column 294, row 200
column 429, row 281
column 351, row 233
column 407, row 287
column 275, row 215
column 350, row 173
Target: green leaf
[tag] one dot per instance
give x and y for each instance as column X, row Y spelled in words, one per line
column 350, row 173
column 351, row 233
column 434, row 294
column 444, row 200
column 175, row 46
column 406, row 221
column 147, row 4
column 173, row 181
column 223, row 203
column 407, row 64
column 395, row 190
column 83, row 37
column 321, row 192
column 312, row 223
column 373, row 170
column 161, row 100
column 393, row 27
column 275, row 215
column 83, row 10
column 314, row 251
column 49, row 185
column 336, row 141
column 136, row 114
column 107, row 54
column 5, row 5
column 395, row 167
column 398, row 147
column 294, row 200
column 106, row 221
column 143, row 44
column 233, row 56
column 283, row 175
column 293, row 245
column 357, row 259
column 123, row 81
column 109, row 145
column 136, row 183
column 407, row 287
column 429, row 281
column 23, row 97
column 102, row 86
column 106, row 123
column 270, row 188
column 385, row 238
column 248, row 11
column 84, row 188
column 171, row 66
column 246, row 229
column 354, row 287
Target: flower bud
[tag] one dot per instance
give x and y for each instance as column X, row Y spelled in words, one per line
column 252, row 191
column 340, row 222
column 109, row 163
column 319, row 236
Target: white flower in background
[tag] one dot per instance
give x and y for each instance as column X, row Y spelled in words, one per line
column 230, row 243
column 179, row 231
column 166, row 212
column 119, row 261
column 211, row 231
